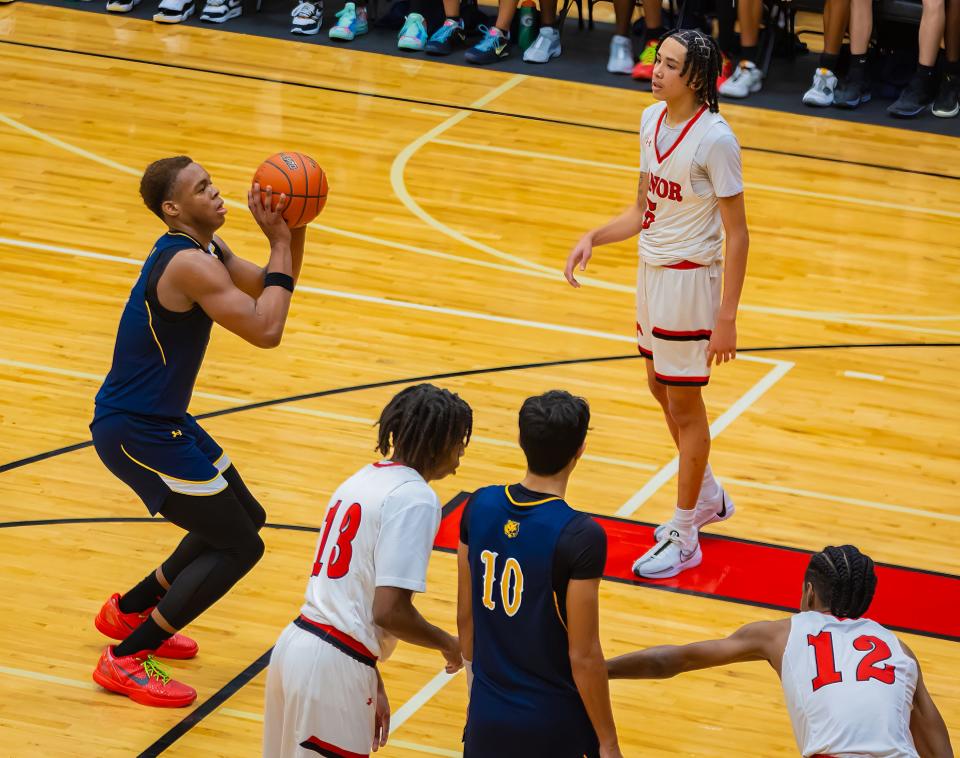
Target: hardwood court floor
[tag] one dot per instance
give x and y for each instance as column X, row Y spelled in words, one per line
column 455, row 196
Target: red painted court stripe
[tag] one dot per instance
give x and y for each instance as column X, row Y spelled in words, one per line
column 756, row 573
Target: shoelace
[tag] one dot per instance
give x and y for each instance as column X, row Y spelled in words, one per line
column 411, row 27
column 443, row 33
column 346, row 16
column 490, row 38
column 304, row 10
column 649, row 54
column 152, row 667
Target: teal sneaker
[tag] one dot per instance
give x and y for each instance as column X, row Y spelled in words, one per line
column 351, row 23
column 413, row 36
column 443, row 40
column 492, row 47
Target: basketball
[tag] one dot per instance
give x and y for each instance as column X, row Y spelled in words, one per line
column 301, row 179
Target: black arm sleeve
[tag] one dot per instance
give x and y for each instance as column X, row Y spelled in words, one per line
column 464, row 521
column 581, row 550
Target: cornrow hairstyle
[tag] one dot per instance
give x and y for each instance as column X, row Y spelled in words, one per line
column 422, row 424
column 702, row 64
column 844, row 578
column 157, row 181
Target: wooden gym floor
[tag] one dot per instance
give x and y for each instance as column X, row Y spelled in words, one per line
column 455, row 196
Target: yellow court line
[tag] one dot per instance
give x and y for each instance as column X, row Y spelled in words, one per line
column 773, row 188
column 746, row 483
column 527, row 268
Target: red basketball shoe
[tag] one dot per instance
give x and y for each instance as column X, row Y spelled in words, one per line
column 117, row 625
column 143, row 679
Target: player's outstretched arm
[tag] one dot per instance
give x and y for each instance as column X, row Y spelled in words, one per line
column 586, row 660
column 394, row 612
column 930, row 735
column 628, row 224
column 249, row 276
column 753, row 642
column 723, row 342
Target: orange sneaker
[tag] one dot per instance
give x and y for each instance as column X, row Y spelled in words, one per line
column 117, row 625
column 143, row 679
column 644, row 67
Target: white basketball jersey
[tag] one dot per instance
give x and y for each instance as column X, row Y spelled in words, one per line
column 849, row 688
column 378, row 531
column 678, row 224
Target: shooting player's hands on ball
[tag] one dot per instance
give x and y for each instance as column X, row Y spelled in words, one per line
column 271, row 222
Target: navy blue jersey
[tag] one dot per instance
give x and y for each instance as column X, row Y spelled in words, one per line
column 524, row 701
column 158, row 352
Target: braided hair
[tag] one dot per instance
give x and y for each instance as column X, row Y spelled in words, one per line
column 702, row 64
column 422, row 424
column 843, row 577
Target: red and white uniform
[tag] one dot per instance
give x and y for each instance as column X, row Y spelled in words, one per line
column 688, row 168
column 321, row 692
column 849, row 688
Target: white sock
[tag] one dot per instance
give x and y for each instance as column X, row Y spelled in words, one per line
column 683, row 522
column 709, row 487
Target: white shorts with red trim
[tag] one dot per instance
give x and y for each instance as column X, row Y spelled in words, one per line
column 319, row 700
column 677, row 309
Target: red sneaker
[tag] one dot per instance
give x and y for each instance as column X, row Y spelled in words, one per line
column 644, row 67
column 117, row 625
column 143, row 679
column 726, row 70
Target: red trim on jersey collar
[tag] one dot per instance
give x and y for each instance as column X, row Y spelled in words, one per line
column 687, row 128
column 381, row 464
column 346, row 639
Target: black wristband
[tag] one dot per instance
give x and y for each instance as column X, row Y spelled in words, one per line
column 275, row 279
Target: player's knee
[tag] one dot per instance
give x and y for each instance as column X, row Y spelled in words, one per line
column 686, row 409
column 658, row 391
column 257, row 514
column 254, row 550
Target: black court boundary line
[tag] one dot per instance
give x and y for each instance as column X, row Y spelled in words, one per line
column 471, row 372
column 438, row 104
column 208, row 706
column 228, row 690
column 454, row 502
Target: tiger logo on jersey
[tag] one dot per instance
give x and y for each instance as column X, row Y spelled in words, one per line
column 511, row 529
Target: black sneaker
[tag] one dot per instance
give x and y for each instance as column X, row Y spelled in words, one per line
column 492, row 47
column 947, row 103
column 443, row 40
column 851, row 93
column 913, row 101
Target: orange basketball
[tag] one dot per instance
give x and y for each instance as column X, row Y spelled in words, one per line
column 299, row 178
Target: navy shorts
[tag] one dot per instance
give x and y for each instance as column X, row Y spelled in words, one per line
column 156, row 456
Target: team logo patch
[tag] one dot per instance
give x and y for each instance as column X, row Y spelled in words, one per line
column 511, row 529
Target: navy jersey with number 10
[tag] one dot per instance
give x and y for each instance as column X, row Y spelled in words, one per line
column 523, row 548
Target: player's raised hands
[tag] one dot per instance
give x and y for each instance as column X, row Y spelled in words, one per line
column 580, row 255
column 268, row 218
